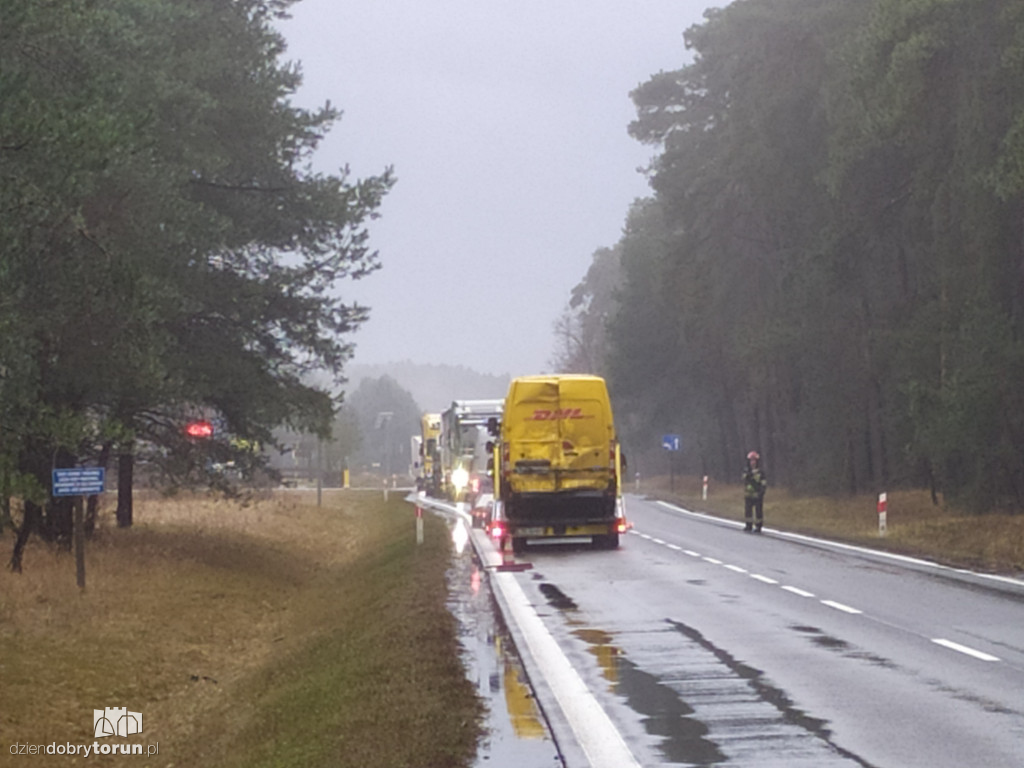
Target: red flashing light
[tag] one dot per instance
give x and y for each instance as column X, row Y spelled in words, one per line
column 199, row 429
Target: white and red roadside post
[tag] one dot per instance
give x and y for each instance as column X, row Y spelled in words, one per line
column 883, row 509
column 704, row 491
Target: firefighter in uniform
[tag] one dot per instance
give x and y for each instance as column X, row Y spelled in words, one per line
column 755, row 483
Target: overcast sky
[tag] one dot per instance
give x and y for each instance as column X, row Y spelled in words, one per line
column 505, row 121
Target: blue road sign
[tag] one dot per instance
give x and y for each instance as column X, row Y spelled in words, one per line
column 78, row 481
column 670, row 442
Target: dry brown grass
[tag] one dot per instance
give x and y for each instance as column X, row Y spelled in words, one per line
column 915, row 526
column 203, row 613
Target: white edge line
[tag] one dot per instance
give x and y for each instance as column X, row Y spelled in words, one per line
column 712, row 560
column 736, row 568
column 964, row 649
column 597, row 735
column 764, row 579
column 854, row 548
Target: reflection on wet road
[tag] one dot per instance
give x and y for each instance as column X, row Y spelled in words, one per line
column 517, row 735
column 703, row 707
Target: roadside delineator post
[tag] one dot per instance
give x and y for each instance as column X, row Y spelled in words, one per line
column 883, row 509
column 704, row 490
column 419, row 524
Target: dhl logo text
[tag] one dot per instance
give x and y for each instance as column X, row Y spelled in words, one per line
column 544, row 414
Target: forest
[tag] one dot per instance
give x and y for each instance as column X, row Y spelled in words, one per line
column 830, row 267
column 169, row 254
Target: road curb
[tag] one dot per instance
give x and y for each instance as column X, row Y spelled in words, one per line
column 580, row 728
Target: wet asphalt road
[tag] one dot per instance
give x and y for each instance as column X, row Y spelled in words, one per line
column 709, row 646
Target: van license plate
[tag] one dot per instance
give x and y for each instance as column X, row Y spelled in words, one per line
column 530, row 531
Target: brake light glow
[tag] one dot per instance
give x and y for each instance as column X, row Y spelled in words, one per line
column 497, row 531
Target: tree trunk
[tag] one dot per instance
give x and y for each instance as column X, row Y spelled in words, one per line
column 28, row 525
column 93, row 503
column 125, row 474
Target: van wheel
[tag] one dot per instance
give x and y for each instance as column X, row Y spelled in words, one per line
column 518, row 546
column 607, row 541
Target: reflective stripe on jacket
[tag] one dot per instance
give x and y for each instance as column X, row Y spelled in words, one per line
column 755, row 483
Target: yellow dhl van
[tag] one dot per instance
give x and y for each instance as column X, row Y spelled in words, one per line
column 558, row 463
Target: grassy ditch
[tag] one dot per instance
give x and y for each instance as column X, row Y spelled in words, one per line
column 277, row 634
column 914, row 525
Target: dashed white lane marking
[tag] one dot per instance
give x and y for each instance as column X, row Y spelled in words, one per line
column 798, row 591
column 804, row 593
column 840, row 606
column 853, row 548
column 964, row 649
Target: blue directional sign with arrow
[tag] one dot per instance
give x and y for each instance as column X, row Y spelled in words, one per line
column 670, row 442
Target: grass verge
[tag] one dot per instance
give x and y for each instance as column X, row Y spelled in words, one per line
column 914, row 525
column 278, row 634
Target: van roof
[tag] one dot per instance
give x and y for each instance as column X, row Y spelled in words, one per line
column 559, row 377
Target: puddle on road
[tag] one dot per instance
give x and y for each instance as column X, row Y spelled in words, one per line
column 557, row 598
column 819, row 638
column 516, row 732
column 665, row 714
